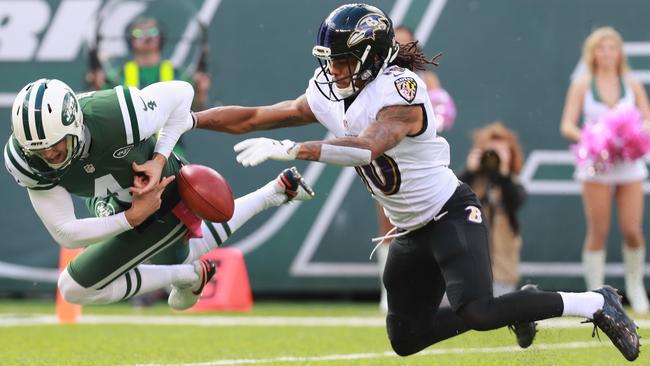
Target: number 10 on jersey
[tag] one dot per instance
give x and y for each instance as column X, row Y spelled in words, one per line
column 383, row 173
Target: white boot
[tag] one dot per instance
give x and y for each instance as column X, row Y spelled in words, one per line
column 382, row 255
column 634, row 264
column 184, row 297
column 593, row 265
column 289, row 186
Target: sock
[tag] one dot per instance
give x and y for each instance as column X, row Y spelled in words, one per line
column 215, row 234
column 502, row 288
column 146, row 278
column 141, row 279
column 593, row 263
column 583, row 304
column 634, row 265
column 270, row 195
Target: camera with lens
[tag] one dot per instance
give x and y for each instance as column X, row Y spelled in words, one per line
column 490, row 163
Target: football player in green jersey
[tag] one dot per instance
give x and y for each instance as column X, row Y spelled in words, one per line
column 101, row 146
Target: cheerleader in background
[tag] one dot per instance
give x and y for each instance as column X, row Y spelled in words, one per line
column 608, row 87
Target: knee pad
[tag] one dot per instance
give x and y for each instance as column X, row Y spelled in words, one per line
column 72, row 291
column 402, row 332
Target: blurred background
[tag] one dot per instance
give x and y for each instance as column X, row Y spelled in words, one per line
column 508, row 60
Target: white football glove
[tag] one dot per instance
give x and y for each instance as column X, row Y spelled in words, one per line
column 252, row 152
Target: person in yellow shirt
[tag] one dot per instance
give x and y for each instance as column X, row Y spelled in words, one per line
column 146, row 39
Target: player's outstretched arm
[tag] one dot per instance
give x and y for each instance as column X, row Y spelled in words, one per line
column 392, row 125
column 239, row 120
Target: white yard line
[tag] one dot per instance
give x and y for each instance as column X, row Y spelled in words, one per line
column 359, row 356
column 13, row 320
column 17, row 320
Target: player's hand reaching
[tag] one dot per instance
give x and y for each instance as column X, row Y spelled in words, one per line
column 252, row 152
column 149, row 173
column 145, row 202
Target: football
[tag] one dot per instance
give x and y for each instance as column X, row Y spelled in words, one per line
column 206, row 193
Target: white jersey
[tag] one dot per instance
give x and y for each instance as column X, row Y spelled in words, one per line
column 412, row 181
column 620, row 172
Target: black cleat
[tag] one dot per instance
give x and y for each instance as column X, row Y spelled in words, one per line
column 612, row 320
column 294, row 185
column 525, row 332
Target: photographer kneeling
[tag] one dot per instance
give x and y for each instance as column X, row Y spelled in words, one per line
column 491, row 170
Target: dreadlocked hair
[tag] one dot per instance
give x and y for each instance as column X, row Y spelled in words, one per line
column 411, row 57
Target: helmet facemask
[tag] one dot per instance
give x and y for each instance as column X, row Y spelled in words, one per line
column 73, row 151
column 360, row 72
column 54, row 171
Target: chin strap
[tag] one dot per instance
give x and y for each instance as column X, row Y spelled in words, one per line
column 390, row 57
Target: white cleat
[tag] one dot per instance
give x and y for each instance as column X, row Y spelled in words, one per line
column 184, row 297
column 289, row 186
column 294, row 186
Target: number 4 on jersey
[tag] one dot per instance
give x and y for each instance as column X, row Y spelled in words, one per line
column 107, row 185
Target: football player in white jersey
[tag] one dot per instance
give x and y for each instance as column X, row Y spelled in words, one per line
column 366, row 93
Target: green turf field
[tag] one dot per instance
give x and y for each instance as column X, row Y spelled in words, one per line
column 272, row 334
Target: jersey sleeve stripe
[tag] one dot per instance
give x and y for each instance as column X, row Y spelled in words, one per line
column 17, row 167
column 38, row 115
column 18, row 164
column 16, row 171
column 132, row 115
column 119, row 91
column 13, row 170
column 28, row 132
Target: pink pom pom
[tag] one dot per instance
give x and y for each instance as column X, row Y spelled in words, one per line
column 444, row 107
column 631, row 141
column 617, row 136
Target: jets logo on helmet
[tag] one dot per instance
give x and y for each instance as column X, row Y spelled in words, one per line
column 46, row 112
column 70, row 107
column 367, row 27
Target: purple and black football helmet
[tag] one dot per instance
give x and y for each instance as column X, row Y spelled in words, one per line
column 360, row 31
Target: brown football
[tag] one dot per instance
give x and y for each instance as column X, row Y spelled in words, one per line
column 206, row 193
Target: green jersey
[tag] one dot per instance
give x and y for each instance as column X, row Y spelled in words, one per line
column 119, row 128
column 115, row 138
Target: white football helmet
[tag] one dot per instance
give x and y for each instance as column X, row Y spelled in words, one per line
column 44, row 113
